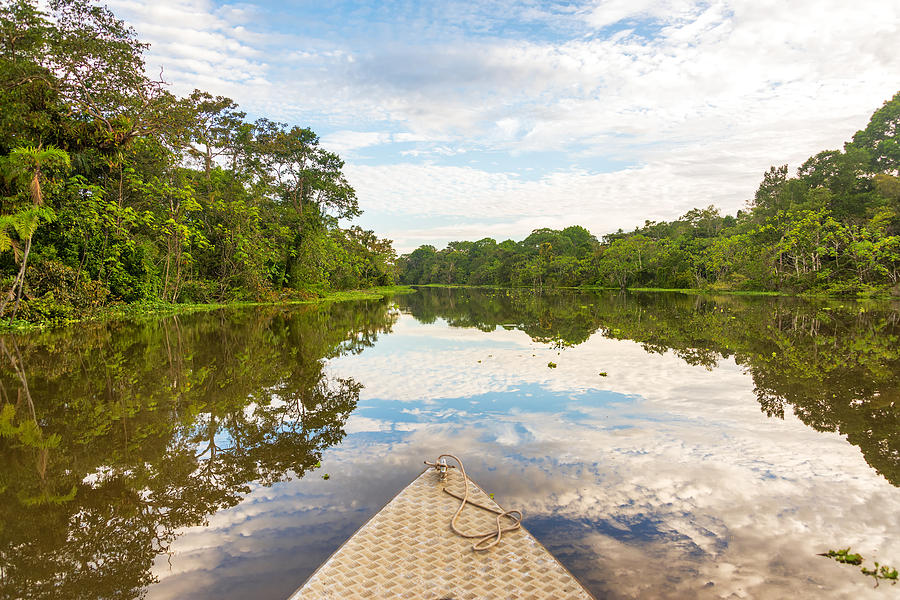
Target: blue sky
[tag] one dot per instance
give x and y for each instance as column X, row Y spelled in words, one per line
column 460, row 120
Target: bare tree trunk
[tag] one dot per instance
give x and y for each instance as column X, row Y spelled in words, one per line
column 22, row 281
column 121, row 198
column 298, row 202
column 178, row 262
column 165, row 289
column 16, row 290
column 81, row 265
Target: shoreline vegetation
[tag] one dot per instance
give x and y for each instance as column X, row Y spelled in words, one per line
column 689, row 291
column 117, row 197
column 120, row 311
column 589, row 288
column 832, row 230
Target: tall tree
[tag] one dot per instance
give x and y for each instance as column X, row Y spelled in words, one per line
column 880, row 137
column 27, row 169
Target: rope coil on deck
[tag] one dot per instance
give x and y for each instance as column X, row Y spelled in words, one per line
column 487, row 540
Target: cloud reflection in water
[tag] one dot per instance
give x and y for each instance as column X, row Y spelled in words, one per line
column 661, row 480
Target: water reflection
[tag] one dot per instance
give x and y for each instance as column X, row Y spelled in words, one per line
column 663, row 478
column 114, row 439
column 683, row 446
column 836, row 364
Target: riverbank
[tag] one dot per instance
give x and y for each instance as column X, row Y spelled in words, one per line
column 118, row 311
column 874, row 295
column 600, row 288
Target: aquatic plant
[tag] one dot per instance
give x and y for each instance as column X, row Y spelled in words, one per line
column 844, row 556
column 880, row 571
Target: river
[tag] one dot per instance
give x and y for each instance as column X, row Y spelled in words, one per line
column 661, row 445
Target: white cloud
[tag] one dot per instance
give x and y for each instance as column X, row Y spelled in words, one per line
column 699, row 97
column 601, row 202
column 344, row 142
column 504, row 362
column 609, row 12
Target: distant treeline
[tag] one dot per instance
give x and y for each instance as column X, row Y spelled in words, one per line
column 834, row 228
column 114, row 189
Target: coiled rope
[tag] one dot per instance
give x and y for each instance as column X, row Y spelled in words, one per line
column 485, row 540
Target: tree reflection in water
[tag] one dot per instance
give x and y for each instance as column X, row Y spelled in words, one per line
column 835, row 363
column 112, row 440
column 114, row 437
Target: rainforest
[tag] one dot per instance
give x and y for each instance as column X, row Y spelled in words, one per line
column 114, row 190
column 833, row 228
column 703, row 406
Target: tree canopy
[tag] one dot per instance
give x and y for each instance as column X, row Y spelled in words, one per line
column 125, row 192
column 833, row 228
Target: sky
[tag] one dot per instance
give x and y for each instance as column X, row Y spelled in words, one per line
column 466, row 119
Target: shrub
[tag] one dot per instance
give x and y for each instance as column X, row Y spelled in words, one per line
column 57, row 292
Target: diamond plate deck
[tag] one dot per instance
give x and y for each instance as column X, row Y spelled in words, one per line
column 407, row 550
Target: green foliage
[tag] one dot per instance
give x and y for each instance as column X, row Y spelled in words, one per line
column 879, row 572
column 844, row 556
column 60, row 288
column 150, row 196
column 22, row 224
column 832, row 229
column 879, row 137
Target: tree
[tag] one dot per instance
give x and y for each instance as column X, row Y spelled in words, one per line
column 880, row 138
column 28, row 169
column 706, row 222
column 303, row 172
column 625, row 258
column 97, row 67
column 95, row 487
column 215, row 123
column 768, row 193
column 418, row 264
column 843, row 175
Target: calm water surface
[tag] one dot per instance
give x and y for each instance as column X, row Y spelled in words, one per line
column 682, row 447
